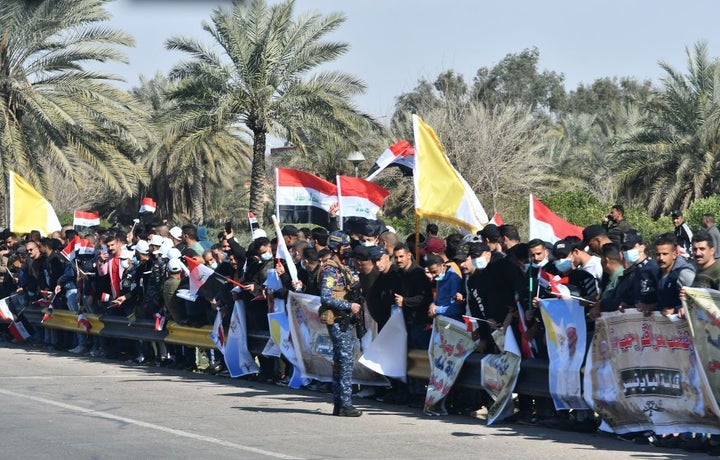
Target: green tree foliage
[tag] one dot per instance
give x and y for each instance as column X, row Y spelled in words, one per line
column 261, row 79
column 56, row 113
column 516, row 79
column 671, row 159
column 709, row 205
column 196, row 150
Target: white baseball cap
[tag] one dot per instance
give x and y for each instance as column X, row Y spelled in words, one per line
column 176, row 232
column 142, row 247
column 259, row 233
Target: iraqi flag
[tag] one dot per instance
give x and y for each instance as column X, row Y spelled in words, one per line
column 5, row 313
column 84, row 247
column 302, row 197
column 401, row 155
column 283, row 252
column 204, row 281
column 218, row 333
column 471, row 323
column 70, row 249
column 18, row 331
column 84, row 323
column 86, row 218
column 359, row 198
column 547, row 226
column 147, row 206
column 554, row 283
column 497, row 220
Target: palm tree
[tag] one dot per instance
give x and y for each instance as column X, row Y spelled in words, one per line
column 673, row 157
column 194, row 151
column 55, row 112
column 260, row 79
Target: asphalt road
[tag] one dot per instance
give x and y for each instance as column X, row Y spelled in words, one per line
column 56, row 405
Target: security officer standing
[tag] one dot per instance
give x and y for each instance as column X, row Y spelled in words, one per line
column 339, row 313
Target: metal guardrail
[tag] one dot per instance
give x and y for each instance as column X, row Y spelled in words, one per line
column 533, row 378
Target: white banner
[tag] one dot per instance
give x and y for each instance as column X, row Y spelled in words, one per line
column 642, row 374
column 387, row 354
column 313, row 346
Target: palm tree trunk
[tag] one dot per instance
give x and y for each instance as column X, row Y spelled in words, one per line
column 196, row 192
column 257, row 179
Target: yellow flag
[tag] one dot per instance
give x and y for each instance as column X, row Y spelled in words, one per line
column 440, row 191
column 29, row 210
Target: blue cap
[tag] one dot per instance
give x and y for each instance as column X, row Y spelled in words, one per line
column 338, row 238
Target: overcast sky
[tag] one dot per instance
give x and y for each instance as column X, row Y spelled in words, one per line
column 395, row 43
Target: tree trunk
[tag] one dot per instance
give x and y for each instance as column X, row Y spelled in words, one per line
column 257, row 179
column 196, row 193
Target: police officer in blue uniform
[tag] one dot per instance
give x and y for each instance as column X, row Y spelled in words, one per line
column 339, row 314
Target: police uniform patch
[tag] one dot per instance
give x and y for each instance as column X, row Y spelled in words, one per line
column 329, row 282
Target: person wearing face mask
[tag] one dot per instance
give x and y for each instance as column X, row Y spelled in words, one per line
column 580, row 283
column 260, row 261
column 309, row 271
column 447, row 285
column 473, row 264
column 209, row 259
column 643, row 271
column 129, row 285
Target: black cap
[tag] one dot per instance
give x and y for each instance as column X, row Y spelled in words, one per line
column 361, row 252
column 561, row 249
column 591, row 232
column 460, row 256
column 376, row 252
column 490, row 232
column 371, row 228
column 190, row 252
column 289, row 230
column 355, row 224
column 630, row 239
column 476, row 249
column 676, row 213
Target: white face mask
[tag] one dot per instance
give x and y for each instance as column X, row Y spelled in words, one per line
column 125, row 263
column 266, row 256
column 480, row 262
column 540, row 264
column 214, row 265
column 632, row 255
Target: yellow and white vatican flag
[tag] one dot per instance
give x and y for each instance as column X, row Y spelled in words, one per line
column 440, row 191
column 28, row 209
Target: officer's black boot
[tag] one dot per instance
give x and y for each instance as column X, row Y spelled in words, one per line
column 347, row 411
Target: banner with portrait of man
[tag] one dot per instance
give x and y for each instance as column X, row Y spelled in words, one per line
column 499, row 373
column 450, row 345
column 703, row 315
column 642, row 374
column 313, row 346
column 566, row 335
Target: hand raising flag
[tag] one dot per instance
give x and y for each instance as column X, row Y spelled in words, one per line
column 554, row 283
column 203, row 279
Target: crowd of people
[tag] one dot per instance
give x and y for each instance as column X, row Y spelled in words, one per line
column 491, row 276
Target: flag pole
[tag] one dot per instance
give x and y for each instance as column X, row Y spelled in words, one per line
column 6, row 201
column 340, row 206
column 417, row 237
column 277, row 202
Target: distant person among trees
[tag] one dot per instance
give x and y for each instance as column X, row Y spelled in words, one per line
column 683, row 234
column 615, row 224
column 708, row 222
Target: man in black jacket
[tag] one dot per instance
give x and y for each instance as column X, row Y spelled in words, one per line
column 414, row 296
